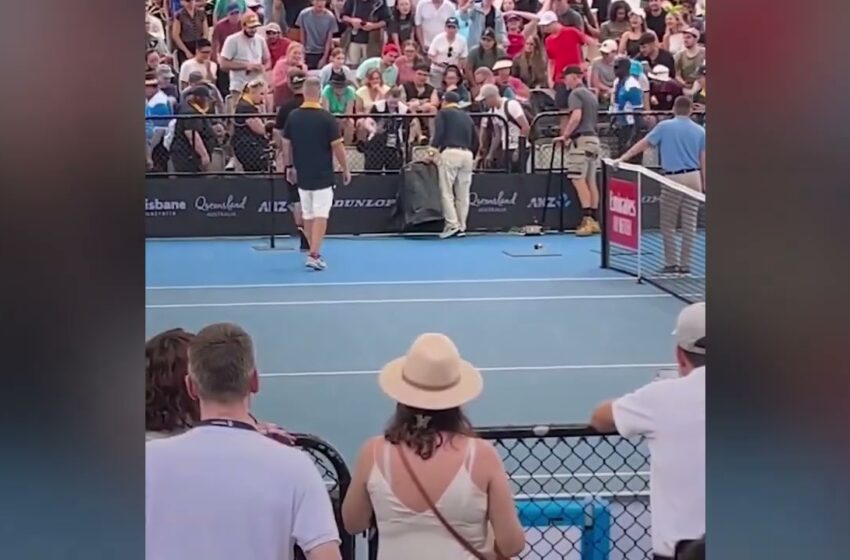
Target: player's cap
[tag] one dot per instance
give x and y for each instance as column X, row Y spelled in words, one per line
column 690, row 329
column 547, row 18
column 608, row 46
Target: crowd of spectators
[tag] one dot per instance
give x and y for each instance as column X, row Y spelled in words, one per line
column 201, row 56
column 221, row 485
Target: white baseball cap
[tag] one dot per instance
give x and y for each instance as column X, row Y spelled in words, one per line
column 690, row 329
column 660, row 73
column 546, row 18
column 608, row 46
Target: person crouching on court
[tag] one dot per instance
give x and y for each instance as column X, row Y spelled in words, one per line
column 312, row 140
column 429, row 455
column 456, row 140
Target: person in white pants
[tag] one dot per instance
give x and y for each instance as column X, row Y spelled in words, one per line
column 454, row 136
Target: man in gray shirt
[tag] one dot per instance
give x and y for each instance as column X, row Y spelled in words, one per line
column 317, row 25
column 578, row 133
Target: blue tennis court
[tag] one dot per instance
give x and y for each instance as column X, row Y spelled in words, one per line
column 552, row 332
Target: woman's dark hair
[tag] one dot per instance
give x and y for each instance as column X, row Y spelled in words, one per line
column 453, row 68
column 616, row 7
column 424, row 431
column 168, row 406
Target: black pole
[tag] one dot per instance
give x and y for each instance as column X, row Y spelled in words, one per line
column 561, row 192
column 272, row 209
column 548, row 184
column 603, row 214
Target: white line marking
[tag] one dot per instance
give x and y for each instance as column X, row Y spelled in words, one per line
column 354, row 373
column 416, row 300
column 396, row 283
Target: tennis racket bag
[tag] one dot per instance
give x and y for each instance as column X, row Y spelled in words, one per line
column 418, row 201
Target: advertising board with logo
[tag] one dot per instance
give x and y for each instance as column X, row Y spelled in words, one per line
column 241, row 206
column 623, row 216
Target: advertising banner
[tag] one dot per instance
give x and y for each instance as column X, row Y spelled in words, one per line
column 623, row 217
column 241, row 206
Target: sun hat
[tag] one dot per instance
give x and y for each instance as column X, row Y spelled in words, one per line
column 273, row 27
column 690, row 329
column 150, row 79
column 502, row 64
column 660, row 73
column 608, row 46
column 431, row 376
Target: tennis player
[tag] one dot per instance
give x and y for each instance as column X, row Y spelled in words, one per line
column 311, row 141
column 681, row 146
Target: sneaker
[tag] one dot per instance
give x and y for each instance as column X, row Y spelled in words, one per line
column 305, row 245
column 461, row 233
column 595, row 226
column 670, row 269
column 683, row 270
column 316, row 263
column 585, row 228
column 450, row 232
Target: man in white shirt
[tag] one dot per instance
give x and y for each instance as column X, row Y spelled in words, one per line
column 514, row 115
column 223, row 490
column 670, row 413
column 447, row 48
column 201, row 62
column 245, row 55
column 429, row 18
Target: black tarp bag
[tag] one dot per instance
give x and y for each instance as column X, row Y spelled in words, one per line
column 418, row 201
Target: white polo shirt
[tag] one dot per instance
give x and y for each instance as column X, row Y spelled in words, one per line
column 432, row 19
column 671, row 414
column 221, row 493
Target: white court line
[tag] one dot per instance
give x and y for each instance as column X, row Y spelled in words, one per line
column 397, row 283
column 409, row 300
column 483, row 369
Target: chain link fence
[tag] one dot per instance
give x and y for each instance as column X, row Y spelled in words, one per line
column 337, row 478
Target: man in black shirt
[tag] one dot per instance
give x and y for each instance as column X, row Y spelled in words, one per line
column 456, row 139
column 652, row 53
column 311, row 142
column 417, row 96
column 296, row 78
column 367, row 19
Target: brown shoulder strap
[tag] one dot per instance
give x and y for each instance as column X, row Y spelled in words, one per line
column 457, row 536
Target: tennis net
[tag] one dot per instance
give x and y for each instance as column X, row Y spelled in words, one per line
column 654, row 229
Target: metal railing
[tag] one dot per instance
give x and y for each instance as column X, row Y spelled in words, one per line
column 337, row 478
column 375, row 143
column 579, row 493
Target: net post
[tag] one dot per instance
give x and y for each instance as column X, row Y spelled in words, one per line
column 640, row 227
column 603, row 206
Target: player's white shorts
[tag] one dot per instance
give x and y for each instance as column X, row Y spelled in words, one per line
column 316, row 204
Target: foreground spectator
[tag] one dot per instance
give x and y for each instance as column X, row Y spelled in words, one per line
column 447, row 49
column 368, row 19
column 169, row 410
column 618, row 21
column 670, row 413
column 385, row 64
column 201, row 62
column 279, row 499
column 689, row 60
column 429, row 458
column 245, row 55
column 317, row 25
column 190, row 25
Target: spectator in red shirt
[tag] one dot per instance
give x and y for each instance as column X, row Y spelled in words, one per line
column 563, row 45
column 663, row 90
column 277, row 42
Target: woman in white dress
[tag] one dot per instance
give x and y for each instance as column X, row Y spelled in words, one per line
column 429, row 458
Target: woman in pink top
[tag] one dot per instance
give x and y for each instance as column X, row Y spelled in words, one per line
column 429, row 453
column 294, row 58
column 408, row 60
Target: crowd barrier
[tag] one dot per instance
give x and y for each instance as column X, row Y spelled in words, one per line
column 580, row 494
column 337, row 478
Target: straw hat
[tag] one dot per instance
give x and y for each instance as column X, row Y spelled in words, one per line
column 432, row 376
